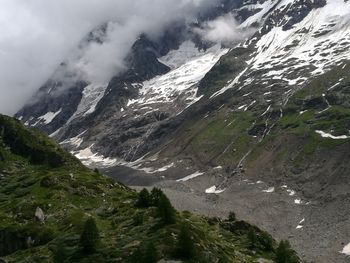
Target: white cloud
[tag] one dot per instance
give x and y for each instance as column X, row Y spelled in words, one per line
column 36, row 35
column 224, row 29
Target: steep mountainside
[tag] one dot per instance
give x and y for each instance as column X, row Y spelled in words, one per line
column 263, row 124
column 130, row 116
column 46, row 195
column 116, row 118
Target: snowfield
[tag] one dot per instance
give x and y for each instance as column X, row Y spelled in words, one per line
column 189, row 66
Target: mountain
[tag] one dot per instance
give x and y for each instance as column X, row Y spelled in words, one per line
column 46, row 195
column 263, row 123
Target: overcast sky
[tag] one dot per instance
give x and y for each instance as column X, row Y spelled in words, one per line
column 36, row 35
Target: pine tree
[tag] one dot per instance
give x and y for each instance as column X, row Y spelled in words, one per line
column 156, row 193
column 284, row 253
column 252, row 237
column 267, row 241
column 150, row 254
column 165, row 210
column 90, row 237
column 185, row 246
column 144, row 199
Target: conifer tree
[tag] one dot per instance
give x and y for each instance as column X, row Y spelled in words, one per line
column 267, row 241
column 156, row 193
column 185, row 246
column 284, row 253
column 90, row 237
column 165, row 210
column 252, row 237
column 144, row 199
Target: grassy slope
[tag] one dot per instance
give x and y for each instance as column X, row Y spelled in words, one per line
column 223, row 137
column 308, row 112
column 35, row 172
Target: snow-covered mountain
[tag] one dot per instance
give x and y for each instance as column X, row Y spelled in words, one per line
column 295, row 41
column 273, row 109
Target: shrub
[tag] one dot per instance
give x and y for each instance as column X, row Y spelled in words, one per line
column 136, row 256
column 185, row 246
column 60, row 253
column 90, row 237
column 232, row 216
column 47, row 181
column 138, row 219
column 147, row 254
column 150, row 254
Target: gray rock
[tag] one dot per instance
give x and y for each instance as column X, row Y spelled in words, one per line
column 39, row 214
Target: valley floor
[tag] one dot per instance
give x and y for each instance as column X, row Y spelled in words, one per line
column 317, row 231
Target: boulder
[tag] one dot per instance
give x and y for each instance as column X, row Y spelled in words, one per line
column 39, row 214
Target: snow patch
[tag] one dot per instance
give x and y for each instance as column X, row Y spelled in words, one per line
column 189, row 177
column 176, row 58
column 269, row 190
column 92, row 94
column 328, row 135
column 88, row 158
column 48, row 117
column 346, row 250
column 151, row 170
column 214, row 190
column 75, row 141
column 291, row 192
column 298, row 201
column 189, row 67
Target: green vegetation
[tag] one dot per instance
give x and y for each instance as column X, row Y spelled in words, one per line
column 185, row 244
column 144, row 199
column 225, row 136
column 284, row 253
column 60, row 253
column 232, row 216
column 90, row 237
column 86, row 217
column 222, row 139
column 151, row 254
column 322, row 105
column 165, row 210
column 229, row 67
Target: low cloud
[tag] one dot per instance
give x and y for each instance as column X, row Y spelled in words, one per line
column 37, row 35
column 224, row 30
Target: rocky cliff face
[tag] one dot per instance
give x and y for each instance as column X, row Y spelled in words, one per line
column 159, row 82
column 274, row 108
column 295, row 41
